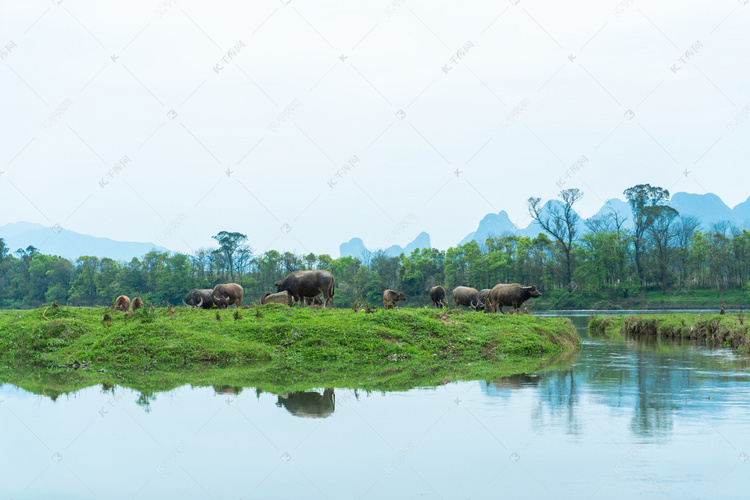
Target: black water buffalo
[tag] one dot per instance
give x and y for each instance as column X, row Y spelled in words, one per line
column 467, row 296
column 437, row 295
column 302, row 284
column 309, row 404
column 227, row 294
column 122, row 303
column 200, row 298
column 390, row 297
column 513, row 295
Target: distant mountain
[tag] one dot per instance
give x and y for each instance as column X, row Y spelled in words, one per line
column 709, row 208
column 498, row 224
column 69, row 244
column 421, row 241
column 741, row 214
column 356, row 248
column 620, row 208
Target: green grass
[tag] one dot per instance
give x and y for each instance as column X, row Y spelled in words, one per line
column 727, row 330
column 60, row 336
column 274, row 347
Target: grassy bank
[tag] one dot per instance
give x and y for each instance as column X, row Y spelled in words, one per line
column 727, row 330
column 174, row 338
column 616, row 298
column 273, row 348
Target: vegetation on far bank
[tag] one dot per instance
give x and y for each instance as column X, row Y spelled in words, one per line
column 725, row 330
column 659, row 258
column 173, row 338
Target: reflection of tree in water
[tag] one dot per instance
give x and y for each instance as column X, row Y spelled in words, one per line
column 227, row 389
column 308, row 404
column 658, row 382
column 559, row 390
column 144, row 400
column 514, row 382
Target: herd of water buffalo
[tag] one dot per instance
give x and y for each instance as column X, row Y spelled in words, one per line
column 305, row 287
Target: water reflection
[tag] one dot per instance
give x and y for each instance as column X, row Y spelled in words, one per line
column 649, row 380
column 308, row 404
column 231, row 390
column 617, row 420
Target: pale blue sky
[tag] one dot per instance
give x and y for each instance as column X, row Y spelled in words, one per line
column 304, row 124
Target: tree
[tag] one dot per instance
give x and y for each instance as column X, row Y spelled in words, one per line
column 83, row 289
column 228, row 245
column 719, row 248
column 3, row 250
column 684, row 231
column 646, row 204
column 662, row 232
column 562, row 224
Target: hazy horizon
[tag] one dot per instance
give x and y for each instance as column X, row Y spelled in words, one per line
column 305, row 125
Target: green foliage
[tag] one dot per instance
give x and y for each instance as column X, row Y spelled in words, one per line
column 725, row 330
column 170, row 339
column 664, row 258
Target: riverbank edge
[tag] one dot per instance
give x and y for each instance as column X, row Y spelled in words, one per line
column 101, row 338
column 725, row 330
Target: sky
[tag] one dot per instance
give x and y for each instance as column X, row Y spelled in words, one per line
column 303, row 124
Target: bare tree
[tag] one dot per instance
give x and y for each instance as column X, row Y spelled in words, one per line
column 561, row 223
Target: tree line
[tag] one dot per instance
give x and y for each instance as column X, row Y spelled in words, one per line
column 659, row 250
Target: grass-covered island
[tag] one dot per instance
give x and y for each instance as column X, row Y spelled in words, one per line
column 272, row 346
column 726, row 330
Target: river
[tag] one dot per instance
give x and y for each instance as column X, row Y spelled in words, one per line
column 623, row 419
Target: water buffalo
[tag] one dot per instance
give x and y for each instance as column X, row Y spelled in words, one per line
column 136, row 304
column 313, row 301
column 227, row 294
column 200, row 298
column 467, row 296
column 122, row 303
column 303, row 284
column 513, row 295
column 276, row 298
column 484, row 296
column 437, row 295
column 390, row 297
column 309, row 404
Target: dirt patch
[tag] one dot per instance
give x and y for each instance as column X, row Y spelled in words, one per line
column 445, row 319
column 389, row 339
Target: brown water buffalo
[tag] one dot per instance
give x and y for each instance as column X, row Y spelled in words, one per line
column 227, row 294
column 467, row 296
column 313, row 301
column 136, row 304
column 484, row 296
column 308, row 404
column 277, row 298
column 200, row 298
column 303, row 284
column 437, row 295
column 513, row 295
column 122, row 303
column 390, row 297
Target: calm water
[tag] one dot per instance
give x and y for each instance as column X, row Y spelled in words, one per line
column 624, row 420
